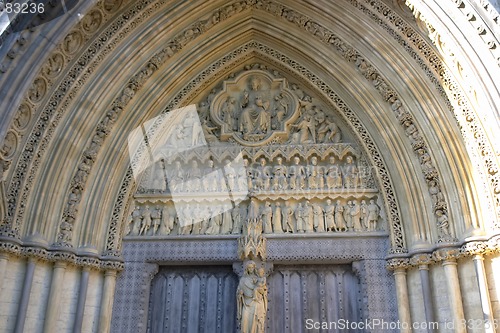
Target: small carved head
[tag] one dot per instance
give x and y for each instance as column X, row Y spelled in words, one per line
column 296, row 160
column 250, row 267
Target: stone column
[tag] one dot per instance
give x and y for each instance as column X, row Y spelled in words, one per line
column 4, row 259
column 423, row 261
column 82, row 297
column 484, row 292
column 399, row 267
column 25, row 296
column 449, row 263
column 52, row 312
column 108, row 292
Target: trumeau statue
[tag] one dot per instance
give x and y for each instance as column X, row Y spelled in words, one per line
column 252, row 299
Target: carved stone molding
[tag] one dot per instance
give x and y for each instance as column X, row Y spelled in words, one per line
column 127, row 94
column 51, row 111
column 481, row 151
column 58, row 255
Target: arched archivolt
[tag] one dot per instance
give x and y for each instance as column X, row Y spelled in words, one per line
column 288, row 18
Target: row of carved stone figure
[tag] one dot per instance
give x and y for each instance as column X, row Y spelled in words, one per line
column 301, row 177
column 262, row 177
column 213, row 219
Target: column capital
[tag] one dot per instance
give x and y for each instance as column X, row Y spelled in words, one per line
column 446, row 254
column 399, row 264
column 475, row 248
column 421, row 260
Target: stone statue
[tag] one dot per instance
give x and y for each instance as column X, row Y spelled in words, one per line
column 237, row 221
column 261, row 297
column 208, row 132
column 255, row 116
column 156, row 219
column 339, row 217
column 193, row 178
column 246, row 175
column 363, row 214
column 277, row 226
column 158, row 178
column 333, row 175
column 307, row 216
column 279, row 175
column 347, row 215
column 230, row 175
column 288, row 217
column 329, row 132
column 299, row 216
column 186, row 220
column 267, row 216
column 228, row 113
column 196, row 218
column 209, row 180
column 136, row 221
column 280, row 111
column 262, row 176
column 205, row 222
column 296, row 174
column 356, row 216
column 253, row 210
column 306, row 131
column 318, row 218
column 65, row 233
column 315, row 175
column 215, row 222
column 192, row 129
column 330, row 216
column 251, row 300
column 373, row 215
column 442, row 223
column 168, row 218
column 146, row 220
column 351, row 174
column 176, row 178
column 227, row 222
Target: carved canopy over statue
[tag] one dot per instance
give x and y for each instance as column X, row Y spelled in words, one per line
column 254, row 108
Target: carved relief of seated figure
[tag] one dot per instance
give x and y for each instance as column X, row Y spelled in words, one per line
column 255, row 116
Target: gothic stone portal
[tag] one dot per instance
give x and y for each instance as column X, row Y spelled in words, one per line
column 280, row 167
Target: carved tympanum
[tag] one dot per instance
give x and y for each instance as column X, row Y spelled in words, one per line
column 254, row 108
